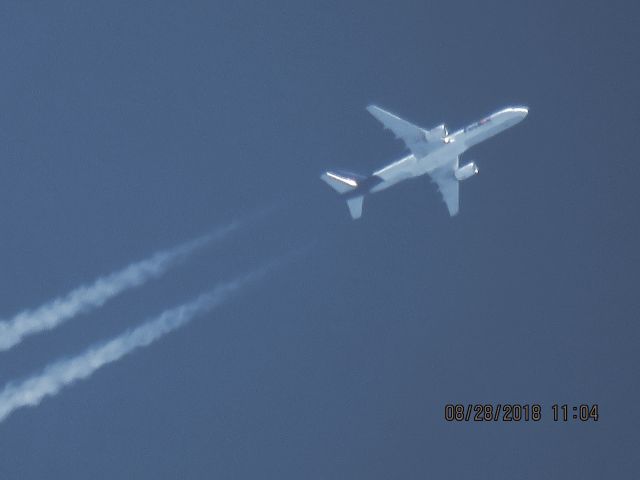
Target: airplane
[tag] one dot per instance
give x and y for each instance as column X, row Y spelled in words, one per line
column 434, row 152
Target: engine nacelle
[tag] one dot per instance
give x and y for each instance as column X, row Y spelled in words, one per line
column 436, row 133
column 440, row 130
column 469, row 170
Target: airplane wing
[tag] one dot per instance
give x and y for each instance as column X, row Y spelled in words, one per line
column 449, row 188
column 415, row 138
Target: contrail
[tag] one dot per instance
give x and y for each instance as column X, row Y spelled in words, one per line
column 62, row 373
column 89, row 297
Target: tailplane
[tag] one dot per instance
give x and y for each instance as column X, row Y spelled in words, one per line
column 344, row 184
column 340, row 183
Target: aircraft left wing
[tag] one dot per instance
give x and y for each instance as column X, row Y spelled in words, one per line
column 449, row 188
column 418, row 140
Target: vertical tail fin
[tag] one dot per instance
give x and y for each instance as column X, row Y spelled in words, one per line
column 355, row 206
column 343, row 184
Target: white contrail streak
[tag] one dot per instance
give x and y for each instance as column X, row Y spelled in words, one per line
column 89, row 297
column 62, row 373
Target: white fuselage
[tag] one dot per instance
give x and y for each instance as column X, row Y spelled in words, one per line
column 446, row 152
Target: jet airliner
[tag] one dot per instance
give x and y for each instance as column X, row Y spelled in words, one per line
column 434, row 152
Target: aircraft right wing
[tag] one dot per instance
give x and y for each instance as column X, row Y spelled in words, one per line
column 418, row 140
column 449, row 188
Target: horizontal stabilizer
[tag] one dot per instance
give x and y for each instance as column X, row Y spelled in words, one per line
column 339, row 183
column 355, row 206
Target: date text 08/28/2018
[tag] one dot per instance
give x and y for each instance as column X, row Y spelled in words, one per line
column 516, row 412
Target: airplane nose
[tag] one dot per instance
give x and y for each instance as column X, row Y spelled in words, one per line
column 522, row 111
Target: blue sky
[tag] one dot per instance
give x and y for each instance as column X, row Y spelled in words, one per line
column 130, row 127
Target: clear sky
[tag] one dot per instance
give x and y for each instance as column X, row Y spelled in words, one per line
column 130, row 127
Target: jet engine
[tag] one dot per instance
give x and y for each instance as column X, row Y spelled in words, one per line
column 469, row 170
column 440, row 130
column 436, row 133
